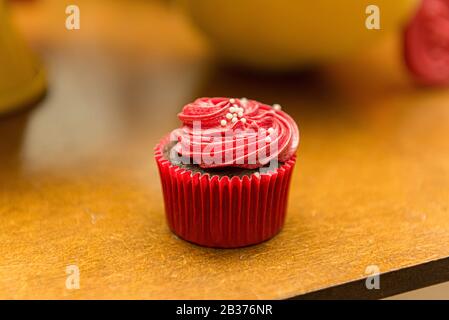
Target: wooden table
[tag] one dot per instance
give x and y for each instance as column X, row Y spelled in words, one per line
column 78, row 184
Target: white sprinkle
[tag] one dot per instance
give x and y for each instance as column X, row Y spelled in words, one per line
column 234, row 120
column 232, row 100
column 235, row 115
column 270, row 130
column 268, row 139
column 277, row 106
column 243, row 120
column 243, row 101
column 229, row 116
column 223, row 123
column 231, row 109
column 240, row 114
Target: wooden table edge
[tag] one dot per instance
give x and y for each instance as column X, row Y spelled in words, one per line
column 391, row 283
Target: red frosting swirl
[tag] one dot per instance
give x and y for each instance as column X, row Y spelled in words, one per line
column 226, row 132
column 427, row 43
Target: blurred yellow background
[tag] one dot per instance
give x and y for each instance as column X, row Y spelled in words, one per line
column 79, row 185
column 287, row 34
column 22, row 78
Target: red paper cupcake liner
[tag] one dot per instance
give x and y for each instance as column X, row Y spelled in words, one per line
column 224, row 212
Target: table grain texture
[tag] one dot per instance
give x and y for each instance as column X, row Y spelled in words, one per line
column 79, row 186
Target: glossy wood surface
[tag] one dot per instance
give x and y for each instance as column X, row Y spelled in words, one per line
column 79, row 186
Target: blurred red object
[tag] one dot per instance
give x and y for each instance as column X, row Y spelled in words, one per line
column 427, row 43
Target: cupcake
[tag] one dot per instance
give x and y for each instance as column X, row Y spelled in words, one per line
column 226, row 171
